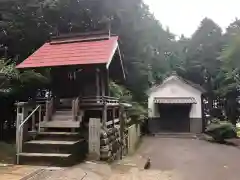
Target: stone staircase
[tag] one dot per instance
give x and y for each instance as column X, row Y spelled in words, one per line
column 58, row 144
column 54, row 149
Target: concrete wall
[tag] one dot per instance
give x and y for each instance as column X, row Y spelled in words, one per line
column 133, row 137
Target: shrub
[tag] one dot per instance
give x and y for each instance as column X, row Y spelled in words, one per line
column 221, row 130
column 238, row 132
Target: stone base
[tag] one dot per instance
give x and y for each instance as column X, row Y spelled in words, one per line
column 196, row 125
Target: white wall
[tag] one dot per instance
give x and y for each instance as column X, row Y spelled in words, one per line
column 175, row 88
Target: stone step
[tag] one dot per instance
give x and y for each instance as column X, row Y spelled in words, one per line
column 59, row 133
column 64, row 136
column 64, row 107
column 45, row 155
column 62, row 117
column 63, row 112
column 51, row 142
column 60, row 124
column 49, row 146
column 176, row 135
column 47, row 159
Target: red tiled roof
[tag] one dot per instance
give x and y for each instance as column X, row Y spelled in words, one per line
column 72, row 53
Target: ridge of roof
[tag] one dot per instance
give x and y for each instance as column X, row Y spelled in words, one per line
column 84, row 34
column 80, row 37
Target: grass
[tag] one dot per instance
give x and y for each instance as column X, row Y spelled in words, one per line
column 7, row 153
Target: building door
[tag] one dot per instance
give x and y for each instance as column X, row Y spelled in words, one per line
column 174, row 117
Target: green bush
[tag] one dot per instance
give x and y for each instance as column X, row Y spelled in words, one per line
column 238, row 132
column 221, row 130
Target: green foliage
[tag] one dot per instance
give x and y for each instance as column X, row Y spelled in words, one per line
column 238, row 132
column 137, row 111
column 8, row 73
column 8, row 70
column 221, row 130
column 120, row 92
column 13, row 78
column 230, row 66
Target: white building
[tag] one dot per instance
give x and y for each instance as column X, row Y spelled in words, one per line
column 175, row 106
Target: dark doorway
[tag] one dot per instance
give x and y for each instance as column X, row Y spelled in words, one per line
column 174, row 117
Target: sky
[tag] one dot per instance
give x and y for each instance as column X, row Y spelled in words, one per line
column 184, row 16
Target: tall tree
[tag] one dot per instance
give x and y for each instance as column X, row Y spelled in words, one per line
column 203, row 52
column 230, row 77
column 201, row 63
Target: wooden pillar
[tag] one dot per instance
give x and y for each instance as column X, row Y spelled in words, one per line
column 104, row 115
column 113, row 116
column 47, row 111
column 34, row 122
column 73, row 110
column 39, row 118
column 102, row 84
column 97, row 82
column 107, row 83
column 122, row 127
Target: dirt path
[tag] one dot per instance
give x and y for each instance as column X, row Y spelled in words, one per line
column 14, row 172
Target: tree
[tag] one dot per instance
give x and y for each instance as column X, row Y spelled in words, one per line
column 201, row 64
column 203, row 52
column 230, row 77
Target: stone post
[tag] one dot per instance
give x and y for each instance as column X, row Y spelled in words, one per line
column 94, row 138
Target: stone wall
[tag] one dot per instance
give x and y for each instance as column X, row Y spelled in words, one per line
column 110, row 144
